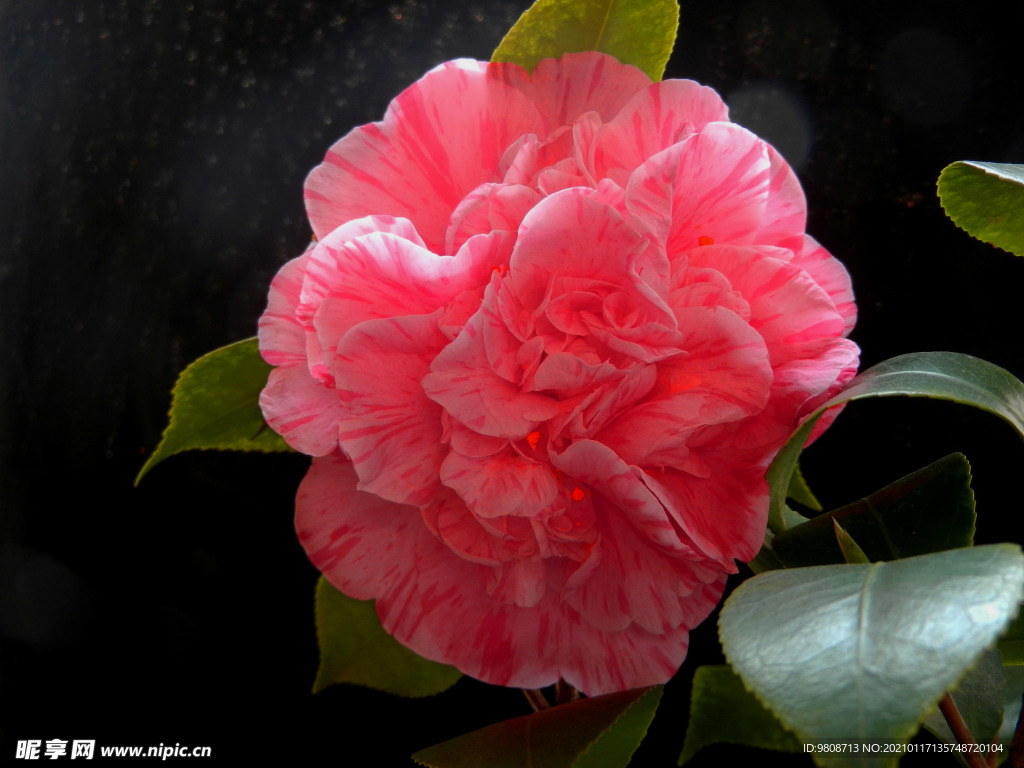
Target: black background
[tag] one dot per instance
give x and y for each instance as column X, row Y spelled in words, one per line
column 152, row 156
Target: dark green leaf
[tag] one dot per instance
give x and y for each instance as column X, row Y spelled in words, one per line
column 1011, row 644
column 637, row 32
column 929, row 510
column 987, row 201
column 723, row 711
column 354, row 648
column 942, row 375
column 603, row 731
column 979, row 697
column 215, row 404
column 843, row 653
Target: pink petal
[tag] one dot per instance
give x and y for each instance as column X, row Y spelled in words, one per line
column 654, row 119
column 794, row 316
column 637, row 583
column 388, row 426
column 725, row 376
column 282, row 337
column 831, row 275
column 440, row 138
column 359, row 541
column 714, row 184
column 785, row 215
column 301, row 409
column 462, row 380
column 725, row 514
column 505, row 483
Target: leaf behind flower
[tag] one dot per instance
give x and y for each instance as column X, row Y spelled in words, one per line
column 843, row 653
column 637, row 32
column 986, row 200
column 355, row 648
column 215, row 405
column 599, row 732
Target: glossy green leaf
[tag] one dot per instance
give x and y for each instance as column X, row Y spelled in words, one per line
column 986, row 200
column 637, row 32
column 1011, row 644
column 354, row 648
column 215, row 405
column 843, row 653
column 941, row 375
column 723, row 711
column 929, row 510
column 980, row 699
column 600, row 732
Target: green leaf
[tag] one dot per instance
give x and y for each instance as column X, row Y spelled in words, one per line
column 600, row 732
column 215, row 404
column 354, row 648
column 986, row 200
column 800, row 492
column 637, row 32
column 942, row 375
column 1011, row 644
column 980, row 699
column 929, row 510
column 843, row 653
column 722, row 710
column 852, row 553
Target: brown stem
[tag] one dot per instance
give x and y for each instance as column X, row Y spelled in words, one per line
column 536, row 699
column 962, row 733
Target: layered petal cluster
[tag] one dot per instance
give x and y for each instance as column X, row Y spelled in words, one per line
column 553, row 331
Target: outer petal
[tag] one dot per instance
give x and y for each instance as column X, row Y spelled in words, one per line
column 282, row 337
column 359, row 541
column 831, row 275
column 440, row 138
column 302, row 409
column 388, row 426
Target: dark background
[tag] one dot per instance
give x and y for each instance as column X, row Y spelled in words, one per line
column 152, row 156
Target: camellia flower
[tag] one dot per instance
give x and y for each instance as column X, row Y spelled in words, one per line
column 553, row 331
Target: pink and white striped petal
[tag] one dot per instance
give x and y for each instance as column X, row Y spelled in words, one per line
column 389, row 427
column 711, row 187
column 302, row 410
column 440, row 138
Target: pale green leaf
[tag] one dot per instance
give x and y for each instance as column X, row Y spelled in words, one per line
column 637, row 32
column 986, row 200
column 354, row 648
column 852, row 653
column 215, row 405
